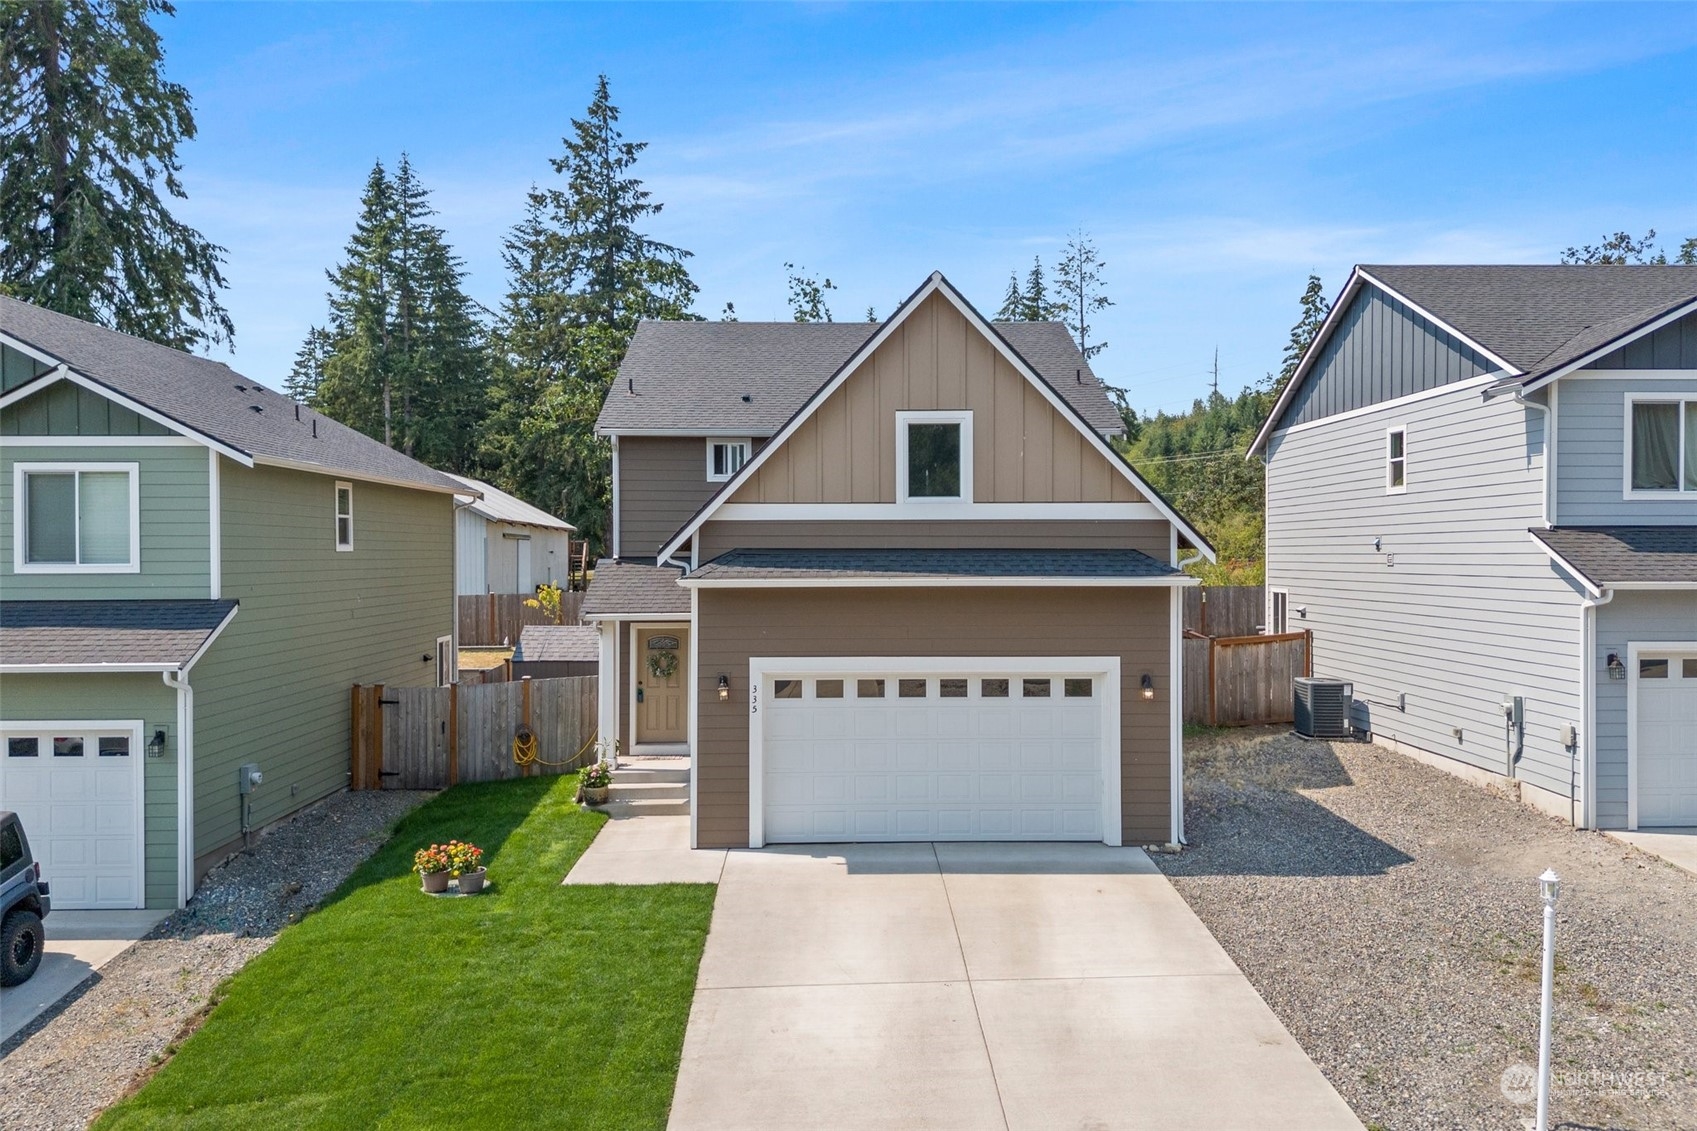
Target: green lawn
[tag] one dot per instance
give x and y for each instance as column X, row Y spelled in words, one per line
column 534, row 1005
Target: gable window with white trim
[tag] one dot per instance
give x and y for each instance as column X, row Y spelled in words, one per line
column 344, row 516
column 725, row 458
column 1661, row 446
column 1396, row 461
column 933, row 457
column 76, row 518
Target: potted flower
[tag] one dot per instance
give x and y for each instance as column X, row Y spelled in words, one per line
column 596, row 782
column 432, row 866
column 465, row 864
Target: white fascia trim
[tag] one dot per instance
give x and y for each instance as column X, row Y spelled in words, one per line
column 936, row 284
column 1394, row 404
column 210, row 640
column 1633, row 649
column 358, row 476
column 215, row 525
column 687, row 433
column 20, row 525
column 942, row 581
column 1568, row 567
column 938, row 509
column 1107, row 668
column 66, row 373
column 85, row 669
column 1673, row 586
column 24, row 347
column 100, row 442
column 671, row 617
column 1604, row 350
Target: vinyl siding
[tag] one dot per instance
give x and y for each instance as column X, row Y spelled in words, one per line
column 175, row 525
column 1380, row 350
column 737, row 624
column 1470, row 612
column 662, row 483
column 471, row 554
column 313, row 622
column 1674, row 346
column 1591, row 453
column 1153, row 537
column 547, row 550
column 1631, row 616
column 24, row 698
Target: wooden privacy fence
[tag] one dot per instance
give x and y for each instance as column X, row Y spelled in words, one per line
column 496, row 619
column 1234, row 681
column 434, row 737
column 1225, row 610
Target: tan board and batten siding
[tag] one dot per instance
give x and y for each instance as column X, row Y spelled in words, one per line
column 1024, row 450
column 735, row 624
column 275, row 687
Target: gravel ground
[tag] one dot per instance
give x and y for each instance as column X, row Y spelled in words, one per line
column 69, row 1066
column 1388, row 913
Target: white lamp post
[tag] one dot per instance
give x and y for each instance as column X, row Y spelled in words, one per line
column 1549, row 889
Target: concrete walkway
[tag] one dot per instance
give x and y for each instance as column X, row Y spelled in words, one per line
column 1677, row 846
column 79, row 943
column 646, row 849
column 978, row 986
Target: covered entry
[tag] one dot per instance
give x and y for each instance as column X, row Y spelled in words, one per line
column 1663, row 756
column 934, row 749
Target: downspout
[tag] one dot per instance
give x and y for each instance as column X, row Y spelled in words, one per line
column 178, row 682
column 1176, row 695
column 1586, row 771
column 1549, row 518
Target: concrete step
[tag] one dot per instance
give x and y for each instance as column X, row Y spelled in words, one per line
column 638, row 771
column 639, row 789
column 663, row 807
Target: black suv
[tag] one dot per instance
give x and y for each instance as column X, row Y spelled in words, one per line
column 23, row 904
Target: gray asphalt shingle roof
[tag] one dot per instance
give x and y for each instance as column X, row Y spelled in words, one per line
column 627, row 587
column 1539, row 318
column 211, row 398
column 1612, row 555
column 827, row 564
column 694, row 375
column 162, row 633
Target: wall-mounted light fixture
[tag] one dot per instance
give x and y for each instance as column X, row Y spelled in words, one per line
column 724, row 688
column 156, row 744
column 1148, row 684
column 1617, row 670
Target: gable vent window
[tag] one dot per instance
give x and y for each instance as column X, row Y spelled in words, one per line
column 344, row 516
column 76, row 518
column 1396, row 460
column 1663, row 446
column 725, row 458
column 934, row 456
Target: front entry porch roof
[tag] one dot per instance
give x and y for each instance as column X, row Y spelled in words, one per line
column 963, row 566
column 1625, row 557
column 144, row 635
column 628, row 590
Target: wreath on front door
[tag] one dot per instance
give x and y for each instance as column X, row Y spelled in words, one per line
column 663, row 665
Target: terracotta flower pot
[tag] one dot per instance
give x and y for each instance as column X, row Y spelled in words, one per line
column 434, row 882
column 592, row 796
column 472, row 882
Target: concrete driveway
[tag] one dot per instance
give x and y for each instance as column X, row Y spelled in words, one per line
column 978, row 986
column 79, row 943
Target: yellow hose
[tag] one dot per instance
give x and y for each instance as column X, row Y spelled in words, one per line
column 524, row 750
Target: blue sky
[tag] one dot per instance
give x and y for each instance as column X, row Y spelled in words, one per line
column 1216, row 154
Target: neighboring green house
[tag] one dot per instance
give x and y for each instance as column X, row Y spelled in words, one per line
column 194, row 569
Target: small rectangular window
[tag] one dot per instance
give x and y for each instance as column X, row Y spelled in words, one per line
column 115, row 746
column 344, row 516
column 951, row 688
column 934, row 456
column 23, row 748
column 868, row 689
column 1036, row 688
column 725, row 458
column 1396, row 459
column 1080, row 688
column 993, row 688
column 786, row 689
column 1278, row 614
column 77, row 519
column 910, row 688
column 1688, row 668
column 1652, row 669
column 67, row 748
column 828, row 689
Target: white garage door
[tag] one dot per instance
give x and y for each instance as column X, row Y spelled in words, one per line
column 77, row 789
column 960, row 753
column 1666, row 739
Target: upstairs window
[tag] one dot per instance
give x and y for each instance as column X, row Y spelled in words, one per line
column 934, row 457
column 1396, row 461
column 344, row 516
column 725, row 458
column 76, row 518
column 1662, row 445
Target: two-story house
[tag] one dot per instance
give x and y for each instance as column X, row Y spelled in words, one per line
column 1482, row 500
column 890, row 582
column 194, row 569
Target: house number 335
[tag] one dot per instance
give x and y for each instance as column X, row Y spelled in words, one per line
column 754, row 699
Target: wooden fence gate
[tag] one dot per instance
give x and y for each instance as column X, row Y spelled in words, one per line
column 1232, row 681
column 434, row 737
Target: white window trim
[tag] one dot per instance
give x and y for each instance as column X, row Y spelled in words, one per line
column 1272, row 628
column 962, row 417
column 1396, row 488
column 1634, row 649
column 1679, row 494
column 336, row 516
column 447, row 661
column 715, row 441
column 20, row 519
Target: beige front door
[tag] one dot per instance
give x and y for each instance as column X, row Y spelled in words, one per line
column 662, row 712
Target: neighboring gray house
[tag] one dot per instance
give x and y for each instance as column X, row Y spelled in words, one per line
column 1482, row 500
column 502, row 544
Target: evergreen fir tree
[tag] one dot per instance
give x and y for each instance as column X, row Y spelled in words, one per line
column 1315, row 308
column 1037, row 306
column 1013, row 303
column 88, row 159
column 1079, row 281
column 308, row 371
column 872, row 314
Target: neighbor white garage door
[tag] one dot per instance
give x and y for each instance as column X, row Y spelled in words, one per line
column 1666, row 739
column 77, row 789
column 953, row 751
